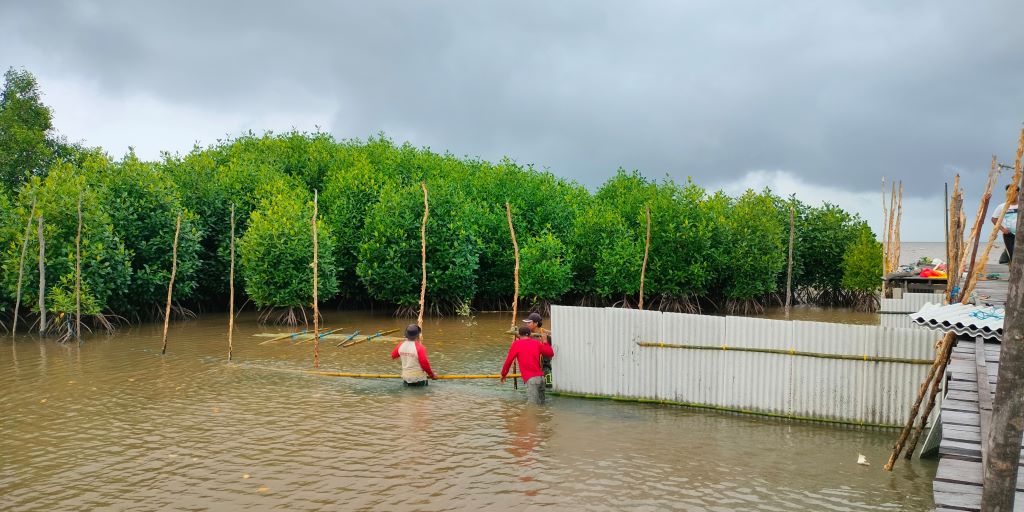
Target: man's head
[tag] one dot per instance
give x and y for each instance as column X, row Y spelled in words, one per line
column 412, row 333
column 533, row 321
column 524, row 331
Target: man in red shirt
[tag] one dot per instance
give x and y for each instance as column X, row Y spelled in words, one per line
column 415, row 366
column 528, row 352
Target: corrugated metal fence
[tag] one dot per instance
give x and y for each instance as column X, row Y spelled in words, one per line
column 599, row 353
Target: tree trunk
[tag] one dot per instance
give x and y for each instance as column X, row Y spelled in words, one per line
column 1003, row 456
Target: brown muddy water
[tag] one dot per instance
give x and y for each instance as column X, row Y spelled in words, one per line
column 112, row 425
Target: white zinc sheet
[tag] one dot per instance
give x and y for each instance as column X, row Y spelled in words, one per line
column 910, row 302
column 964, row 319
column 598, row 354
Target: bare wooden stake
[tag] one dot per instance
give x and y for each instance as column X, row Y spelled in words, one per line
column 423, row 254
column 78, row 273
column 42, row 278
column 231, row 285
column 643, row 268
column 21, row 265
column 515, row 288
column 789, row 269
column 515, row 274
column 316, row 307
column 170, row 285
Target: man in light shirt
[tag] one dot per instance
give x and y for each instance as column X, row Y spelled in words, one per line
column 415, row 366
column 1008, row 226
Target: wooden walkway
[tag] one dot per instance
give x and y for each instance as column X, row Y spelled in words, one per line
column 966, row 417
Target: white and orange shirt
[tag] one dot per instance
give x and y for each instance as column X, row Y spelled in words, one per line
column 415, row 366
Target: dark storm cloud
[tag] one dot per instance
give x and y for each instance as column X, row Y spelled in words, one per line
column 836, row 93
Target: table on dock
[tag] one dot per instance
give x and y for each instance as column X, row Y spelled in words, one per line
column 966, row 419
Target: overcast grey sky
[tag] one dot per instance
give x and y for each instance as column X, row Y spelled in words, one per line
column 818, row 98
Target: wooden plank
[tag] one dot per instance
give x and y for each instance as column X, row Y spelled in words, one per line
column 984, row 399
column 961, row 418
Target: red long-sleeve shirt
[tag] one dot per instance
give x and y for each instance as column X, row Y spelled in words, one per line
column 528, row 352
column 412, row 352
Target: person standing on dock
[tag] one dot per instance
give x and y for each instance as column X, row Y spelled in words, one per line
column 1008, row 227
column 415, row 365
column 528, row 352
column 537, row 331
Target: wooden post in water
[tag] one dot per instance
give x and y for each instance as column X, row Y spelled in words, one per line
column 1003, row 455
column 515, row 287
column 789, row 269
column 42, row 278
column 170, row 285
column 515, row 274
column 78, row 273
column 231, row 285
column 423, row 254
column 316, row 307
column 21, row 265
column 643, row 268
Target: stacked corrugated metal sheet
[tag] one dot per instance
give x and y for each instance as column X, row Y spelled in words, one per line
column 963, row 319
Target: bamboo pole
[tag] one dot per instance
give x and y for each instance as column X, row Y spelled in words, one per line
column 515, row 287
column 78, row 273
column 786, row 352
column 170, row 284
column 21, row 265
column 231, row 286
column 515, row 274
column 316, row 307
column 42, row 278
column 885, row 241
column 978, row 222
column 789, row 269
column 643, row 268
column 423, row 254
column 945, row 204
column 944, row 345
column 936, row 384
column 354, row 375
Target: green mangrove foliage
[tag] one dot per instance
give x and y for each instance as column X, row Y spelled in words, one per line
column 277, row 250
column 708, row 250
column 862, row 269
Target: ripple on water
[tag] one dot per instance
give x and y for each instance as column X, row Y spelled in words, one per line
column 112, row 425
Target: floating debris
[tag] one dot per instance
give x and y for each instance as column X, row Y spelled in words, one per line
column 862, row 460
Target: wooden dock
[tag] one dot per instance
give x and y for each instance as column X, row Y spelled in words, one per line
column 966, row 411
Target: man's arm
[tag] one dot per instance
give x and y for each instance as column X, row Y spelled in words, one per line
column 546, row 350
column 424, row 362
column 508, row 363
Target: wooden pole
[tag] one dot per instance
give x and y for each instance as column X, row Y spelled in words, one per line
column 976, row 231
column 643, row 268
column 42, row 278
column 1003, row 454
column 231, row 286
column 78, row 273
column 944, row 345
column 21, row 265
column 170, row 285
column 885, row 240
column 515, row 289
column 423, row 254
column 316, row 307
column 936, row 384
column 515, row 274
column 945, row 204
column 789, row 270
